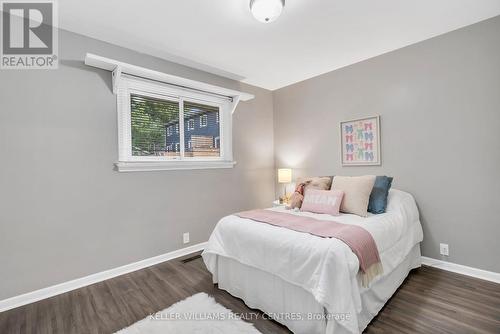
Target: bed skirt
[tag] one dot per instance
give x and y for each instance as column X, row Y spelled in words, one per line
column 296, row 308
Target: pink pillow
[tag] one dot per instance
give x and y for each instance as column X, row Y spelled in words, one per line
column 322, row 201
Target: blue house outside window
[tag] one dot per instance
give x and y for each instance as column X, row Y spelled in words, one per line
column 201, row 131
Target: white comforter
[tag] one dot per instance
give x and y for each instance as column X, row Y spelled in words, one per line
column 325, row 267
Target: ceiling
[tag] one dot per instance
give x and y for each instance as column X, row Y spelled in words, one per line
column 311, row 37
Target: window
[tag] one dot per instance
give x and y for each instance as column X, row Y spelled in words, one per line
column 149, row 119
column 202, row 139
column 203, row 121
column 157, row 127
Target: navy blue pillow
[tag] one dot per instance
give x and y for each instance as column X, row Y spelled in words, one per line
column 378, row 197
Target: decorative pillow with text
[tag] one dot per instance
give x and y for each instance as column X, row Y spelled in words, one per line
column 322, row 201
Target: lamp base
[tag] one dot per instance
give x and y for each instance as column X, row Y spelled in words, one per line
column 284, row 199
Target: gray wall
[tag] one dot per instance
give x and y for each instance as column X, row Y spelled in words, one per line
column 64, row 212
column 439, row 102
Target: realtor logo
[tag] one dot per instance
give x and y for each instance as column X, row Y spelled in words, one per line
column 29, row 35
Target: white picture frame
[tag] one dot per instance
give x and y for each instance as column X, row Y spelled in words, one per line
column 360, row 142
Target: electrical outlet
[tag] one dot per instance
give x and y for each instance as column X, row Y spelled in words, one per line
column 185, row 238
column 444, row 249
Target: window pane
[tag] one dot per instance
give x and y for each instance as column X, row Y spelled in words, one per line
column 203, row 136
column 155, row 125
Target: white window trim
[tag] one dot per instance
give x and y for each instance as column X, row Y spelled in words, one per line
column 171, row 165
column 128, row 163
column 190, row 128
column 120, row 69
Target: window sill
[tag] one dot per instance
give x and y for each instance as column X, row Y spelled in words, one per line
column 152, row 166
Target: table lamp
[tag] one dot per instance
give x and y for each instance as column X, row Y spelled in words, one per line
column 284, row 177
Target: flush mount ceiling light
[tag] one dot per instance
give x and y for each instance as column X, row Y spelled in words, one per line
column 266, row 10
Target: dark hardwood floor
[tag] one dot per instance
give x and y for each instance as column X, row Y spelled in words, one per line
column 429, row 301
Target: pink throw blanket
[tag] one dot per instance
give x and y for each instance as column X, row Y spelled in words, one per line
column 357, row 238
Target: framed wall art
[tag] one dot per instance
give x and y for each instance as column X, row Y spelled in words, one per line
column 360, row 141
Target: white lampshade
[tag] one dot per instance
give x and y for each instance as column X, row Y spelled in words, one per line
column 266, row 10
column 284, row 175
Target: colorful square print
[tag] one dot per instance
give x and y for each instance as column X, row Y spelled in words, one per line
column 360, row 141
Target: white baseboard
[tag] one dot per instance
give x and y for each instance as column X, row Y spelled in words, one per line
column 460, row 269
column 54, row 290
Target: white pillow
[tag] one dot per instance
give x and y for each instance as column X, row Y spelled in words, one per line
column 357, row 190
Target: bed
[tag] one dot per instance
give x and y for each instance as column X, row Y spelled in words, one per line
column 312, row 284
